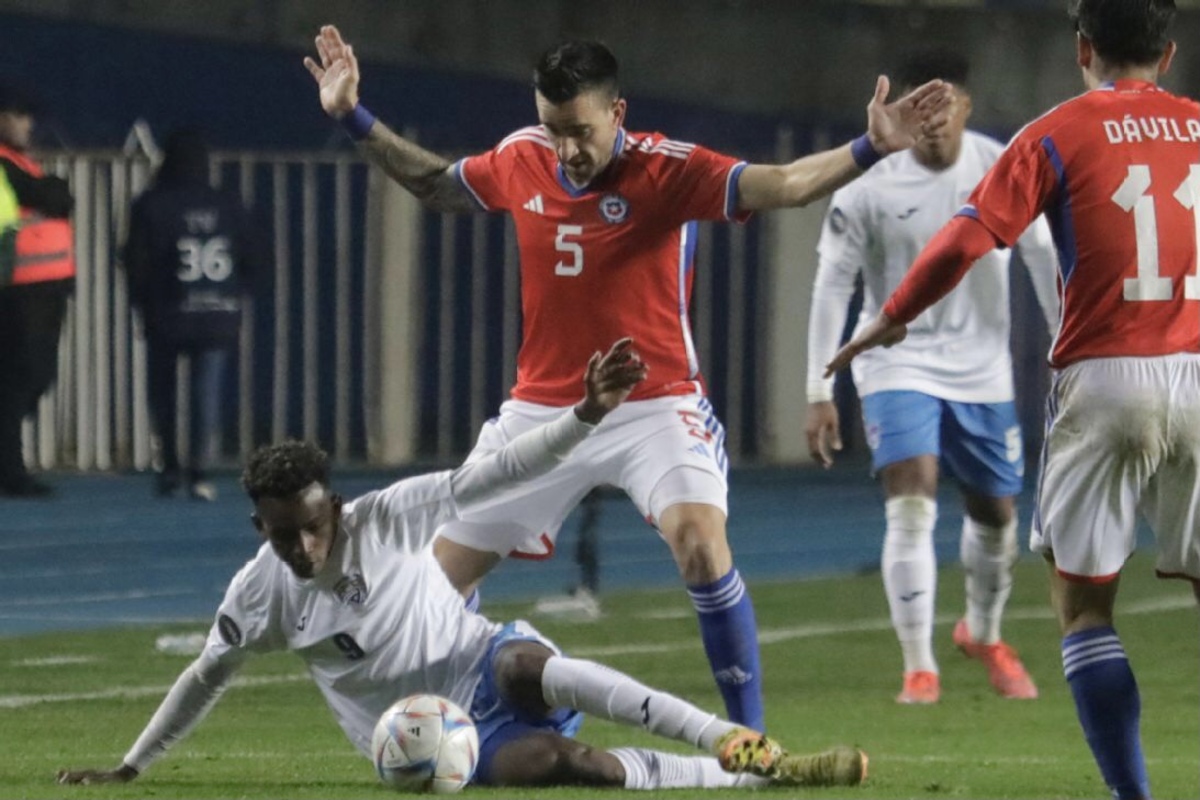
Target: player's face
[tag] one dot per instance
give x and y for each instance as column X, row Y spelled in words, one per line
column 940, row 149
column 16, row 129
column 301, row 528
column 583, row 131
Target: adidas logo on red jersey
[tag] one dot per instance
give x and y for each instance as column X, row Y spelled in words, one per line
column 535, row 204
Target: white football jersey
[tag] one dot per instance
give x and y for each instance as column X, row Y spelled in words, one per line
column 379, row 622
column 958, row 349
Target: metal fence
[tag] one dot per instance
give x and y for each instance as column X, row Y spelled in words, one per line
column 309, row 360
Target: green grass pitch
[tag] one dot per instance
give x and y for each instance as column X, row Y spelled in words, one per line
column 831, row 668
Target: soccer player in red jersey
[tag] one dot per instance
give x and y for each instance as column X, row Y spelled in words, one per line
column 605, row 221
column 1117, row 172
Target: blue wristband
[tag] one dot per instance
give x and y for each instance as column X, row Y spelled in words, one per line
column 864, row 153
column 358, row 123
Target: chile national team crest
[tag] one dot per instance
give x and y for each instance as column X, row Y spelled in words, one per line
column 614, row 208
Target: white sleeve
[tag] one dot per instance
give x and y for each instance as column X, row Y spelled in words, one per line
column 1041, row 259
column 194, row 694
column 529, row 455
column 841, row 254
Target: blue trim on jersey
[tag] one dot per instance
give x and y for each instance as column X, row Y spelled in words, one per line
column 713, row 425
column 458, row 174
column 979, row 443
column 572, row 189
column 1058, row 214
column 968, row 211
column 689, row 257
column 731, row 190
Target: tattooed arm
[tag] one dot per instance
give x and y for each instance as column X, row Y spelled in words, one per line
column 428, row 176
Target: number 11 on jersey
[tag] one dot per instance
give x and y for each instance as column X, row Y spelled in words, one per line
column 1131, row 196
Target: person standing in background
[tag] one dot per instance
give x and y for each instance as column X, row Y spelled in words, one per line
column 33, row 295
column 944, row 397
column 190, row 257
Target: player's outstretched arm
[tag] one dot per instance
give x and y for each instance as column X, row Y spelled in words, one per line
column 427, row 175
column 890, row 127
column 880, row 332
column 608, row 380
column 193, row 695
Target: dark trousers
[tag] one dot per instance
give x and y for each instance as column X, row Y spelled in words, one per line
column 207, row 376
column 31, row 317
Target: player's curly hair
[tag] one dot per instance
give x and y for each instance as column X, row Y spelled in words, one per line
column 566, row 70
column 1125, row 32
column 282, row 470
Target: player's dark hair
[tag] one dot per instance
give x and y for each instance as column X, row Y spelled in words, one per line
column 927, row 65
column 565, row 71
column 1124, row 32
column 282, row 470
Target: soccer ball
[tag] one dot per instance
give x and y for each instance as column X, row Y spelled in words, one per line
column 425, row 743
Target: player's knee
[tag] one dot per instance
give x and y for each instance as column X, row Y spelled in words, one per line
column 549, row 759
column 910, row 520
column 517, row 668
column 699, row 546
column 578, row 763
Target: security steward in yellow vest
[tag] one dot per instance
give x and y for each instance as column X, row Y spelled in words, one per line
column 10, row 219
column 33, row 296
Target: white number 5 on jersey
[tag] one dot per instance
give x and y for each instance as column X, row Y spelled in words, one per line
column 571, row 263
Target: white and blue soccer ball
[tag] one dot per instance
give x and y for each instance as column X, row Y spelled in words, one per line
column 425, row 743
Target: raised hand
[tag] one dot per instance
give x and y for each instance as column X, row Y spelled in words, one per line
column 337, row 74
column 822, row 430
column 122, row 774
column 881, row 331
column 609, row 379
column 897, row 126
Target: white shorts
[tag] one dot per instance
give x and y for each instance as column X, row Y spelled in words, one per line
column 1122, row 438
column 643, row 442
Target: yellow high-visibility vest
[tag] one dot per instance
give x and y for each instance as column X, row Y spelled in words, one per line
column 10, row 219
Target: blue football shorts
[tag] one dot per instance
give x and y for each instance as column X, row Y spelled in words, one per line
column 497, row 722
column 979, row 443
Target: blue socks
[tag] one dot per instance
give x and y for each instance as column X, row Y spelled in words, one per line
column 1109, row 708
column 730, row 637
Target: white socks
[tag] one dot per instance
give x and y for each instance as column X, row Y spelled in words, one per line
column 988, row 554
column 603, row 692
column 910, row 577
column 650, row 769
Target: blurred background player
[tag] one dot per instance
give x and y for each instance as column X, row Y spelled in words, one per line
column 606, row 231
column 1117, row 172
column 33, row 301
column 190, row 259
column 945, row 395
column 582, row 600
column 361, row 575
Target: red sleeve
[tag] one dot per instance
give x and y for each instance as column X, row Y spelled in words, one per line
column 939, row 267
column 486, row 176
column 704, row 185
column 1015, row 190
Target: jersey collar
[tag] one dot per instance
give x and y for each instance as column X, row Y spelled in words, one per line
column 1129, row 85
column 578, row 191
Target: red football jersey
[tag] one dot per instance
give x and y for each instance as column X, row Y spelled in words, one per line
column 612, row 259
column 1117, row 172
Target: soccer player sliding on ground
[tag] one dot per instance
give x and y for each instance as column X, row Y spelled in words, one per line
column 353, row 588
